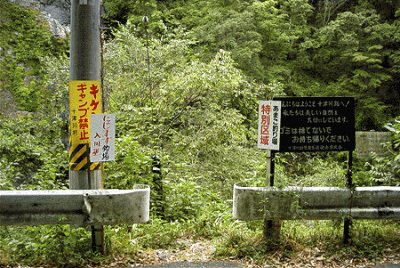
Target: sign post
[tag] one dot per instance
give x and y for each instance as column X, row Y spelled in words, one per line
column 85, row 99
column 319, row 124
column 269, row 117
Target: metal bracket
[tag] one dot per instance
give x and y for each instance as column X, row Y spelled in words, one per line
column 87, row 207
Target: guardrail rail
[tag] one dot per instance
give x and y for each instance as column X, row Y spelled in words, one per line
column 76, row 207
column 316, row 203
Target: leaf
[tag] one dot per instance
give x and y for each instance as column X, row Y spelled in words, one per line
column 358, row 57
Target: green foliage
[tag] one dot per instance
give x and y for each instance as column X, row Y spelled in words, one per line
column 330, row 48
column 167, row 237
column 282, row 25
column 241, row 244
column 188, row 94
column 57, row 245
column 198, row 116
column 28, row 93
column 382, row 170
column 131, row 166
column 32, row 146
column 320, row 240
column 354, row 41
column 232, row 31
column 120, row 11
column 25, row 40
column 32, row 153
column 177, row 91
column 310, row 170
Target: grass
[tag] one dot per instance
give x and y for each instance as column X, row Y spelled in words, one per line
column 311, row 240
column 211, row 233
column 301, row 243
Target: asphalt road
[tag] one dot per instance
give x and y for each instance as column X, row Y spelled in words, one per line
column 222, row 264
column 210, row 264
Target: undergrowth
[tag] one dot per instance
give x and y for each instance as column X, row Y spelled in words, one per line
column 209, row 217
column 300, row 241
column 196, row 123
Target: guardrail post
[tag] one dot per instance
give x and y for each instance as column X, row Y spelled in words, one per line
column 272, row 230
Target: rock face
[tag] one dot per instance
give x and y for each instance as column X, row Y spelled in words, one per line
column 56, row 12
column 8, row 105
column 56, row 28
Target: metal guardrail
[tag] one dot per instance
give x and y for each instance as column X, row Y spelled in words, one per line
column 76, row 207
column 315, row 203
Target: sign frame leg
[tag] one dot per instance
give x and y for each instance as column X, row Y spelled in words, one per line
column 349, row 183
column 272, row 228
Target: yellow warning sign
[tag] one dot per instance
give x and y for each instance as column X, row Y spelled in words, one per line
column 84, row 100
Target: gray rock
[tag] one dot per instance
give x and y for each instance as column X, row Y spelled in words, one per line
column 56, row 12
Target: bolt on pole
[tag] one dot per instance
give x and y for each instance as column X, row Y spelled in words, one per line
column 85, row 99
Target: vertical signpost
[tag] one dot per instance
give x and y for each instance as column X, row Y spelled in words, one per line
column 269, row 118
column 306, row 124
column 85, row 99
column 310, row 124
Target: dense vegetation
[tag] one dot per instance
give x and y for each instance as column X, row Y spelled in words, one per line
column 185, row 86
column 309, row 48
column 25, row 39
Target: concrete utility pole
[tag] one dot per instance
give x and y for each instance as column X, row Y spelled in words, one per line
column 85, row 68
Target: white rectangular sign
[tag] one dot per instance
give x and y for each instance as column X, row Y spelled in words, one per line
column 269, row 123
column 371, row 142
column 102, row 137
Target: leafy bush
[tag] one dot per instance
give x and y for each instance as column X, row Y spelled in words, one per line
column 57, row 245
column 32, row 153
column 381, row 170
column 197, row 116
column 25, row 40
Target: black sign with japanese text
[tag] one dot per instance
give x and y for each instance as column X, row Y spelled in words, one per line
column 317, row 124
